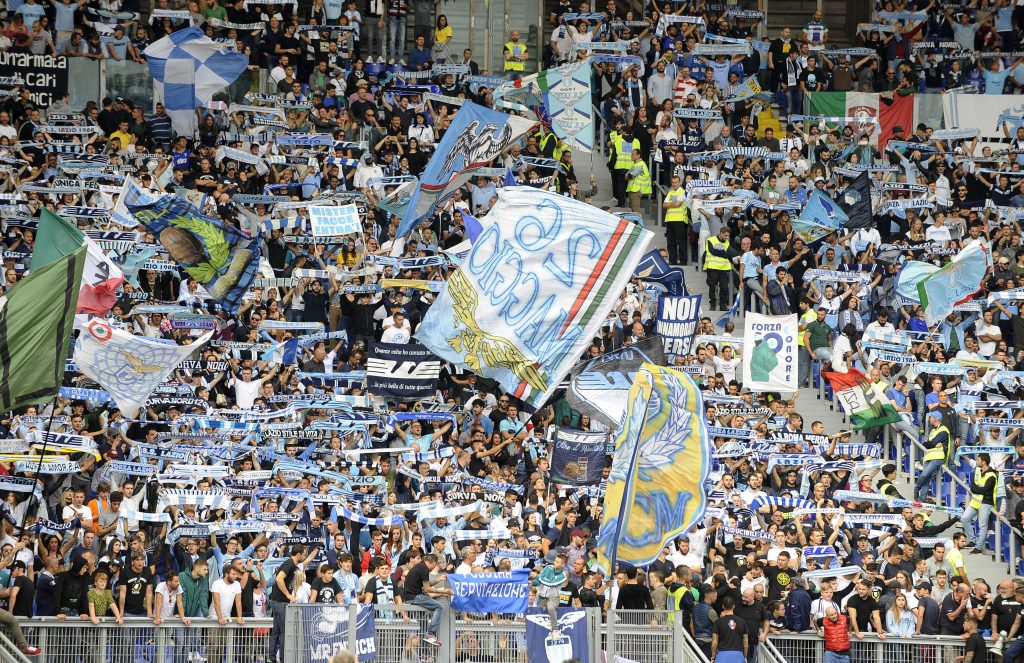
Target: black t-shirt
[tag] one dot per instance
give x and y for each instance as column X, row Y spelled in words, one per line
column 634, row 597
column 135, row 585
column 415, row 579
column 26, row 595
column 326, row 592
column 568, row 595
column 288, row 569
column 752, row 615
column 1006, row 612
column 730, row 630
column 976, row 645
column 778, row 582
column 864, row 608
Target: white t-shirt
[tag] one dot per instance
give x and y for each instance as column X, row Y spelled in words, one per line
column 839, row 350
column 246, row 393
column 225, row 593
column 395, row 335
column 727, row 367
column 940, row 234
column 169, row 602
column 986, row 348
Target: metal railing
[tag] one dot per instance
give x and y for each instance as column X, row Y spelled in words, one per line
column 9, row 653
column 950, row 487
column 139, row 640
column 810, row 648
column 644, row 636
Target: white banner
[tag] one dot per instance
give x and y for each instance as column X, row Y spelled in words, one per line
column 332, row 221
column 770, row 352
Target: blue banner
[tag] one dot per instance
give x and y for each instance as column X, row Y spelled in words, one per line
column 653, row 268
column 571, row 641
column 504, row 592
column 577, row 457
column 326, row 632
column 476, row 136
column 677, row 322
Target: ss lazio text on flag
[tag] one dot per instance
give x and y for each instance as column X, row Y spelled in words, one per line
column 533, row 291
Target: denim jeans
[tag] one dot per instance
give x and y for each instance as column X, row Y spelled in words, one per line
column 824, row 353
column 982, row 512
column 425, row 601
column 833, row 657
column 395, row 37
column 278, row 609
column 925, row 479
column 371, row 37
column 803, row 366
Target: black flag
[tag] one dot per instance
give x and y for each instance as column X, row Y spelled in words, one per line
column 856, row 202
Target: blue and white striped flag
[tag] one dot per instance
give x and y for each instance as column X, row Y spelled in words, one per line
column 188, row 68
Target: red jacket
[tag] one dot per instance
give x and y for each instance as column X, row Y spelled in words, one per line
column 837, row 634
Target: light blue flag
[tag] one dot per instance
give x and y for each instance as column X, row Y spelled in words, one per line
column 954, row 283
column 476, row 136
column 910, row 275
column 533, row 291
column 821, row 216
column 128, row 367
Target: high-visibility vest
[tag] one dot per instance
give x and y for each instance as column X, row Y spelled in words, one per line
column 677, row 214
column 712, row 261
column 624, row 155
column 641, row 182
column 542, row 141
column 977, row 499
column 939, row 452
column 807, row 317
column 516, row 49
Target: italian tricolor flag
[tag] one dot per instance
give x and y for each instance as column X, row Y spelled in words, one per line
column 897, row 111
column 863, row 400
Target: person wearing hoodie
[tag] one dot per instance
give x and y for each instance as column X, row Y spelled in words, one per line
column 549, row 583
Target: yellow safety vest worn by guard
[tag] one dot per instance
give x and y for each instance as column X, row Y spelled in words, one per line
column 806, row 318
column 641, row 182
column 977, row 499
column 516, row 49
column 939, row 451
column 624, row 154
column 677, row 214
column 712, row 261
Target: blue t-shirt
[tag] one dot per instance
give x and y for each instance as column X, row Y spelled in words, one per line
column 31, row 14
column 120, row 46
column 995, row 80
column 64, row 16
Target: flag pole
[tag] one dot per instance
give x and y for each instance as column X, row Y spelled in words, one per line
column 39, row 465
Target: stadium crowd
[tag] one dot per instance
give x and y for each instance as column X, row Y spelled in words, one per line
column 101, row 544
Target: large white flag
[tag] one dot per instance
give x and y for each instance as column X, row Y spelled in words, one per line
column 769, row 348
column 128, row 367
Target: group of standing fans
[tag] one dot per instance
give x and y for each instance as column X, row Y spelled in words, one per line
column 96, row 547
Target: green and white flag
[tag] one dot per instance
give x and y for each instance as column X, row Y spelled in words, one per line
column 37, row 316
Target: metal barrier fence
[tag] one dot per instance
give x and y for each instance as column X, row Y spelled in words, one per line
column 655, row 636
column 810, row 648
column 137, row 640
column 642, row 636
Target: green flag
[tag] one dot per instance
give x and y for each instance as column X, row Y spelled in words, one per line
column 37, row 316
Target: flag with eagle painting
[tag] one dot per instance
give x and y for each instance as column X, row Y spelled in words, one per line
column 855, row 200
column 129, row 367
column 533, row 291
column 662, row 457
column 476, row 136
column 568, row 640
